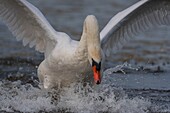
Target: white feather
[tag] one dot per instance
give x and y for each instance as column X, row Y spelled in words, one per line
column 27, row 23
column 128, row 23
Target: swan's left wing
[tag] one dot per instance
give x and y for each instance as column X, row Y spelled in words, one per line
column 139, row 17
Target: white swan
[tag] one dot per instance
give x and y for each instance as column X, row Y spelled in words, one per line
column 67, row 60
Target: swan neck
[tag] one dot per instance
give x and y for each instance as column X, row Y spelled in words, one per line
column 91, row 33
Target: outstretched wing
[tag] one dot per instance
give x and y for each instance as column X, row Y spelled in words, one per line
column 139, row 17
column 28, row 24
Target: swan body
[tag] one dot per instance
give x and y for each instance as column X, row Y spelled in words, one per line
column 74, row 57
column 66, row 60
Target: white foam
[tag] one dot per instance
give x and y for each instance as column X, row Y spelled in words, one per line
column 120, row 68
column 26, row 98
column 103, row 100
column 76, row 98
column 23, row 98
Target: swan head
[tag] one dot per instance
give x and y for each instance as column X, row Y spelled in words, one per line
column 91, row 31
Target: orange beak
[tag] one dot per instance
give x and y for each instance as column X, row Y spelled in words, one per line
column 97, row 78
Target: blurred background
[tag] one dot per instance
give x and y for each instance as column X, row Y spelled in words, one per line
column 68, row 16
column 149, row 52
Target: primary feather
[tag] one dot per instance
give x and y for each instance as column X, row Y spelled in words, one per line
column 139, row 17
column 28, row 24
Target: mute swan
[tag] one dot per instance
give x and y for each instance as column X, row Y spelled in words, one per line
column 67, row 60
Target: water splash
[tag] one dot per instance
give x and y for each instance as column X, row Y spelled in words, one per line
column 23, row 98
column 120, row 68
column 105, row 99
column 20, row 93
column 77, row 98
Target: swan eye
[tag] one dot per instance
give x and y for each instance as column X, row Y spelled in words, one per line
column 98, row 65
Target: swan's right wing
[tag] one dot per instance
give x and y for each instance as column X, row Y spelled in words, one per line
column 28, row 24
column 127, row 24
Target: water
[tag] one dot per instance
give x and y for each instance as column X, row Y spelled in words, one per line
column 137, row 78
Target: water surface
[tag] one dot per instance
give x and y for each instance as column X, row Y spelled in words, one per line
column 137, row 81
